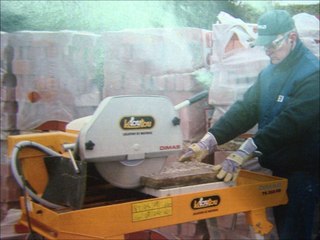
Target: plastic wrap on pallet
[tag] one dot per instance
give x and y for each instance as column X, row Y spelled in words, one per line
column 4, row 40
column 54, row 70
column 8, row 83
column 235, row 65
column 156, row 51
column 308, row 27
column 234, row 69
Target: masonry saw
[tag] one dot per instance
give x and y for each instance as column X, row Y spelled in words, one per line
column 127, row 137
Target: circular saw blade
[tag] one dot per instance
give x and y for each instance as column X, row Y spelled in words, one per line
column 127, row 174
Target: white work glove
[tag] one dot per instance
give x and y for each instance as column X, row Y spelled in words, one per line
column 229, row 168
column 198, row 151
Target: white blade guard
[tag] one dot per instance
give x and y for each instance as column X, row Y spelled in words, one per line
column 130, row 136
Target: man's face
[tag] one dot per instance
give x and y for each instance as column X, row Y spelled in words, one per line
column 280, row 48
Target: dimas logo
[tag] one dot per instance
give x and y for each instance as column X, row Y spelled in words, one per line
column 137, row 122
column 205, row 202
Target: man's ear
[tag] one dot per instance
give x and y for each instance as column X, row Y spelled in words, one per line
column 293, row 37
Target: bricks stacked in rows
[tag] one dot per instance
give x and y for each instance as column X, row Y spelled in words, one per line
column 53, row 70
column 56, row 72
column 55, row 76
column 8, row 102
column 234, row 65
column 9, row 189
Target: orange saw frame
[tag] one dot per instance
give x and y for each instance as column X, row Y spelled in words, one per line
column 252, row 194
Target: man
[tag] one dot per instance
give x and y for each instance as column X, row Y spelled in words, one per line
column 284, row 101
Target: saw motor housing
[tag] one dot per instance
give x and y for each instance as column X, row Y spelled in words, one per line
column 130, row 136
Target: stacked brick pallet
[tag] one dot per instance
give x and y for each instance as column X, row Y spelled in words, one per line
column 53, row 70
column 53, row 76
column 45, row 76
column 8, row 85
column 234, row 65
column 9, row 191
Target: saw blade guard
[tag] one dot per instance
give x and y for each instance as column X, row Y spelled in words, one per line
column 130, row 136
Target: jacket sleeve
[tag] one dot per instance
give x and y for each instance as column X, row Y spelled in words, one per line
column 240, row 117
column 299, row 118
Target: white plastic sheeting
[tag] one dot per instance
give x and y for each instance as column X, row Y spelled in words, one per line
column 308, row 27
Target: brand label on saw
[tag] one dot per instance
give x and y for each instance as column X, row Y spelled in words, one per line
column 137, row 122
column 205, row 202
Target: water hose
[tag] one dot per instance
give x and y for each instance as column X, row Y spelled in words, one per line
column 16, row 169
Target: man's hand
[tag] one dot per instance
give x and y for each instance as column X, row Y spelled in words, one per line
column 229, row 169
column 198, row 151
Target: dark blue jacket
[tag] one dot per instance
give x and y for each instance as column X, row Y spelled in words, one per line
column 284, row 102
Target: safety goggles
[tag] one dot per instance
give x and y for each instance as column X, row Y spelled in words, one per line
column 277, row 43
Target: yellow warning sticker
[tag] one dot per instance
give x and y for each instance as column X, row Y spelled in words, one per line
column 151, row 209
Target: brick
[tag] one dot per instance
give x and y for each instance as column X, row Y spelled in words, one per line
column 8, row 94
column 6, row 206
column 190, row 84
column 159, row 83
column 233, row 44
column 113, row 82
column 180, row 82
column 151, row 87
column 209, row 59
column 180, row 174
column 172, row 230
column 4, row 159
column 137, row 235
column 9, row 80
column 5, row 133
column 10, row 191
column 208, row 38
column 8, row 121
column 171, row 82
column 133, row 83
column 193, row 123
column 195, row 237
column 9, row 107
column 21, row 67
column 5, row 169
column 189, row 229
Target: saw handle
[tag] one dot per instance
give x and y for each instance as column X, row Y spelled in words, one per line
column 199, row 96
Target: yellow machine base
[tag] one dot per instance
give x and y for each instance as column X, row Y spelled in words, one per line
column 251, row 194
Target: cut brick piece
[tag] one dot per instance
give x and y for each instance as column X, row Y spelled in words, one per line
column 181, row 174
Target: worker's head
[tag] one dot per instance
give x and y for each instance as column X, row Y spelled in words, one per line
column 277, row 34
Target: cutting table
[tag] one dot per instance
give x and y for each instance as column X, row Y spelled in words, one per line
column 251, row 194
